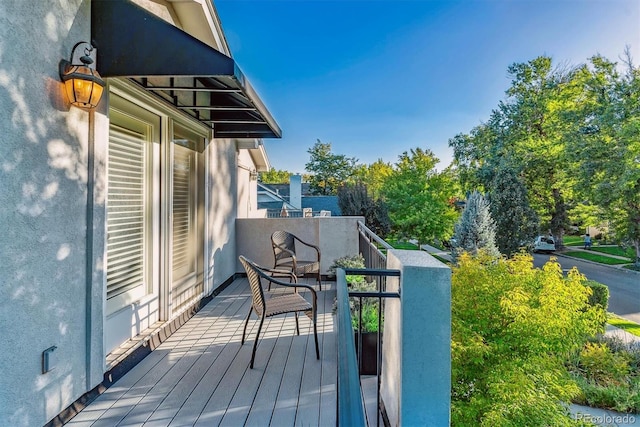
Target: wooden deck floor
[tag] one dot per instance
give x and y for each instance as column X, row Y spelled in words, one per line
column 200, row 376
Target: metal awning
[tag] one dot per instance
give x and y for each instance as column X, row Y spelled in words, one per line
column 197, row 79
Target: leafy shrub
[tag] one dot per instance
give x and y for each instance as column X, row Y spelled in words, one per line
column 599, row 294
column 602, row 366
column 358, row 282
column 513, row 326
column 613, row 397
column 350, row 261
column 607, row 371
column 369, row 316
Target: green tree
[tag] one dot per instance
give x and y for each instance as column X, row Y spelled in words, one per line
column 605, row 140
column 513, row 327
column 373, row 176
column 354, row 200
column 475, row 229
column 274, row 176
column 528, row 129
column 328, row 171
column 418, row 197
column 516, row 222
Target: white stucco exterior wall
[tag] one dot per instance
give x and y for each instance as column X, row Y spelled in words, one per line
column 221, row 207
column 53, row 211
column 247, row 188
column 51, row 280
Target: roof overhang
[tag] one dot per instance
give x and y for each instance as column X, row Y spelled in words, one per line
column 197, row 79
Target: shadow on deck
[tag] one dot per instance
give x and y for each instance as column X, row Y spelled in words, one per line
column 200, row 375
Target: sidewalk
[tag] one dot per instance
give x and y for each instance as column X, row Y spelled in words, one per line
column 624, row 336
column 582, row 249
column 435, row 251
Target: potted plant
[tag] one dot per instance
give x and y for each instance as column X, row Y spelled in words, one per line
column 368, row 311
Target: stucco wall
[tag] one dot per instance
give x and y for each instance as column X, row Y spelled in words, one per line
column 336, row 237
column 221, row 207
column 247, row 188
column 48, row 258
column 416, row 351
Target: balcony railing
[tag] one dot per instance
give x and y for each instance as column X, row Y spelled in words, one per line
column 372, row 247
column 349, row 386
column 413, row 309
column 296, row 213
column 414, row 383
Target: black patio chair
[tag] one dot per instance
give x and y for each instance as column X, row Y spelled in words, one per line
column 277, row 303
column 284, row 253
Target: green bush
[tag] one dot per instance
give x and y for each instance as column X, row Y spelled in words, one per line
column 602, row 366
column 369, row 316
column 351, row 261
column 513, row 327
column 607, row 370
column 599, row 294
column 358, row 282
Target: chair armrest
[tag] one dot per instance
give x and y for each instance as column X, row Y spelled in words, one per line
column 281, row 273
column 289, row 285
column 290, row 253
column 310, row 245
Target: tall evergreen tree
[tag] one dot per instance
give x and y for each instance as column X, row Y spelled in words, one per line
column 516, row 221
column 475, row 229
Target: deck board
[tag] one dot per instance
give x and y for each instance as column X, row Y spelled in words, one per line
column 200, row 375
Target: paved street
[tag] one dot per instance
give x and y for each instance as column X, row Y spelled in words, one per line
column 624, row 286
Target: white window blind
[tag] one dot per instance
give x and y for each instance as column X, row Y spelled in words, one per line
column 126, row 216
column 184, row 193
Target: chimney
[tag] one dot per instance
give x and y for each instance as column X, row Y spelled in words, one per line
column 295, row 191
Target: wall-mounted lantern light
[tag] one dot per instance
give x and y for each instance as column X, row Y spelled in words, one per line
column 253, row 175
column 83, row 84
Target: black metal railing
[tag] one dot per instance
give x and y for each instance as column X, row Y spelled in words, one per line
column 372, row 247
column 296, row 213
column 374, row 299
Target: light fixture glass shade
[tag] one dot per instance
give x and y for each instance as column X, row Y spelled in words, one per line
column 84, row 86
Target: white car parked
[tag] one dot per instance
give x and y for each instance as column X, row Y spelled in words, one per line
column 544, row 244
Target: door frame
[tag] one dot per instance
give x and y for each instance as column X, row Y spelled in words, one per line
column 161, row 274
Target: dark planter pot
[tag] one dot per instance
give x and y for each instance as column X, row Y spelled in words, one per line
column 369, row 352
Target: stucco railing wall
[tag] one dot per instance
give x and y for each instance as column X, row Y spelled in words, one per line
column 416, row 349
column 335, row 236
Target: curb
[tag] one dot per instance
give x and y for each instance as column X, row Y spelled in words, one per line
column 613, row 267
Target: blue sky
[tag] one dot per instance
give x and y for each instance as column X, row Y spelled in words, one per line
column 376, row 78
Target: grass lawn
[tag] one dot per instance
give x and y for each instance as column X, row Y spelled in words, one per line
column 573, row 240
column 442, row 260
column 602, row 259
column 627, row 325
column 615, row 250
column 402, row 245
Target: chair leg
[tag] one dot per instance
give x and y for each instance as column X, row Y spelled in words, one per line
column 246, row 322
column 319, row 280
column 255, row 343
column 315, row 334
column 297, row 326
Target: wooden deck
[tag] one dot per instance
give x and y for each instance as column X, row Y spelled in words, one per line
column 200, row 375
